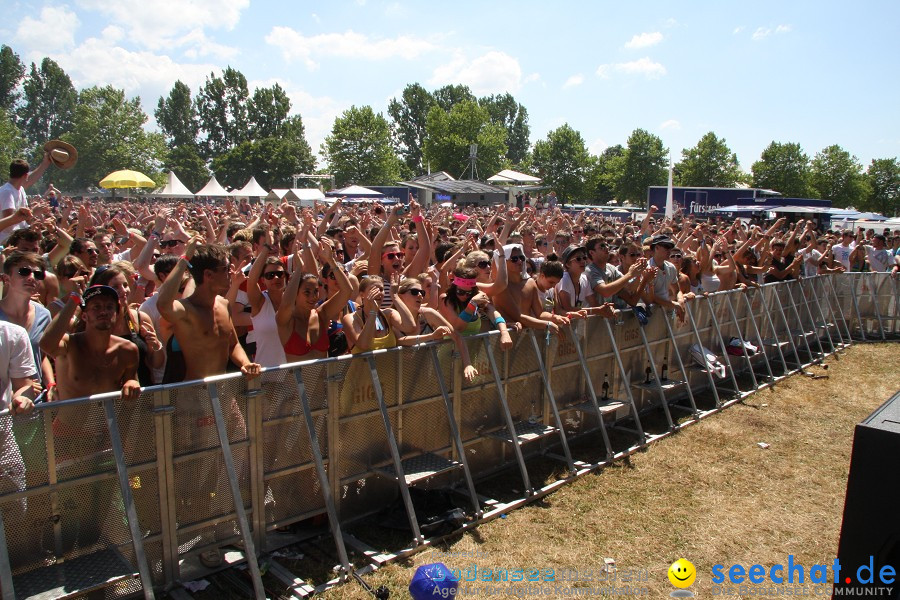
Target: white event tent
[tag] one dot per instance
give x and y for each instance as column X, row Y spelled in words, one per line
column 174, row 188
column 213, row 189
column 251, row 190
column 355, row 191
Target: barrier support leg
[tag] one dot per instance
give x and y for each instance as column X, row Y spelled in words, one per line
column 6, row 580
column 740, row 336
column 333, row 521
column 246, row 534
column 552, row 399
column 709, row 376
column 511, row 427
column 395, row 453
column 592, row 393
column 787, row 325
column 812, row 321
column 759, row 339
column 715, row 322
column 859, row 320
column 454, row 431
column 874, row 291
column 626, row 384
column 657, row 384
column 687, row 382
column 137, row 539
column 835, row 302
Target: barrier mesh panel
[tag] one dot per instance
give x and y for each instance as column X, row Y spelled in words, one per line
column 419, row 379
column 284, row 503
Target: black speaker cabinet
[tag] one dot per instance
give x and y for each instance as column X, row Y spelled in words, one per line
column 870, row 531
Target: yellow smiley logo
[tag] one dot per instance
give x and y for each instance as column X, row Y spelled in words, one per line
column 682, row 573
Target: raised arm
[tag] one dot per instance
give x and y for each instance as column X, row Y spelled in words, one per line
column 169, row 309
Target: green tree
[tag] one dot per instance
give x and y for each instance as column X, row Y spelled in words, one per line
column 177, row 116
column 563, row 162
column 222, row 106
column 267, row 112
column 505, row 111
column 449, row 135
column 409, row 117
column 837, row 176
column 710, row 163
column 601, row 180
column 643, row 164
column 883, row 176
column 108, row 131
column 359, row 149
column 12, row 143
column 188, row 166
column 783, row 168
column 450, row 95
column 11, row 72
column 49, row 107
column 271, row 160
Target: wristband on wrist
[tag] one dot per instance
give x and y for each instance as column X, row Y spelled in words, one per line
column 472, row 308
column 467, row 317
column 418, row 219
column 187, row 260
column 499, row 320
column 76, row 297
column 155, row 234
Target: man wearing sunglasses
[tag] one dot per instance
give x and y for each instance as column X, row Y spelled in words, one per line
column 665, row 291
column 606, row 280
column 520, row 301
column 86, row 250
column 22, row 274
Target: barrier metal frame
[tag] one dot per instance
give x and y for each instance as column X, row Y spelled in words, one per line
column 254, row 533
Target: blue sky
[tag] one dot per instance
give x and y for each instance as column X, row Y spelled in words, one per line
column 817, row 73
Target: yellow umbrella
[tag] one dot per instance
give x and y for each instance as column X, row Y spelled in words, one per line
column 126, row 179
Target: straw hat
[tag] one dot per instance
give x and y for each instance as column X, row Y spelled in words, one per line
column 63, row 154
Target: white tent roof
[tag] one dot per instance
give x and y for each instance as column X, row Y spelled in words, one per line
column 213, row 188
column 510, row 176
column 356, row 190
column 308, row 193
column 251, row 190
column 174, row 188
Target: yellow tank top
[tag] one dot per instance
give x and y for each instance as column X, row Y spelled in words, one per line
column 379, row 343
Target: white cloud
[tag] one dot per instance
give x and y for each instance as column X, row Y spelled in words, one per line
column 598, row 146
column 573, row 81
column 52, row 31
column 395, row 9
column 737, row 30
column 671, row 22
column 156, row 25
column 762, row 33
column 317, row 19
column 296, row 46
column 644, row 40
column 532, row 77
column 640, row 67
column 494, row 72
column 100, row 62
column 670, row 124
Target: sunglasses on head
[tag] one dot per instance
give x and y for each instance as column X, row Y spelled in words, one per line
column 26, row 271
column 170, row 243
column 393, row 255
column 417, row 292
column 273, row 274
column 516, row 259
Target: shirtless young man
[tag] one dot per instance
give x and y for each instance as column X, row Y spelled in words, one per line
column 205, row 334
column 92, row 361
column 520, row 301
column 202, row 321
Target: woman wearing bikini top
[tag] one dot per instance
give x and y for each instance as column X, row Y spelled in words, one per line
column 302, row 325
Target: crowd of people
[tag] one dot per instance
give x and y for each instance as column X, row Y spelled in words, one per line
column 108, row 295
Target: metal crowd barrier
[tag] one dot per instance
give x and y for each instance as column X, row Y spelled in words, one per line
column 125, row 496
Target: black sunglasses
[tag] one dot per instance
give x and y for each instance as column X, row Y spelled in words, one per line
column 417, row 292
column 170, row 243
column 462, row 292
column 483, row 264
column 516, row 259
column 26, row 271
column 273, row 274
column 393, row 255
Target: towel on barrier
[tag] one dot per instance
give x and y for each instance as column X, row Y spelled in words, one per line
column 707, row 359
column 737, row 348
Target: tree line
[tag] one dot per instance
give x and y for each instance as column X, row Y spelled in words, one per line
column 225, row 129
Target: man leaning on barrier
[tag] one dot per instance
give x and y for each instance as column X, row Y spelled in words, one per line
column 206, row 339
